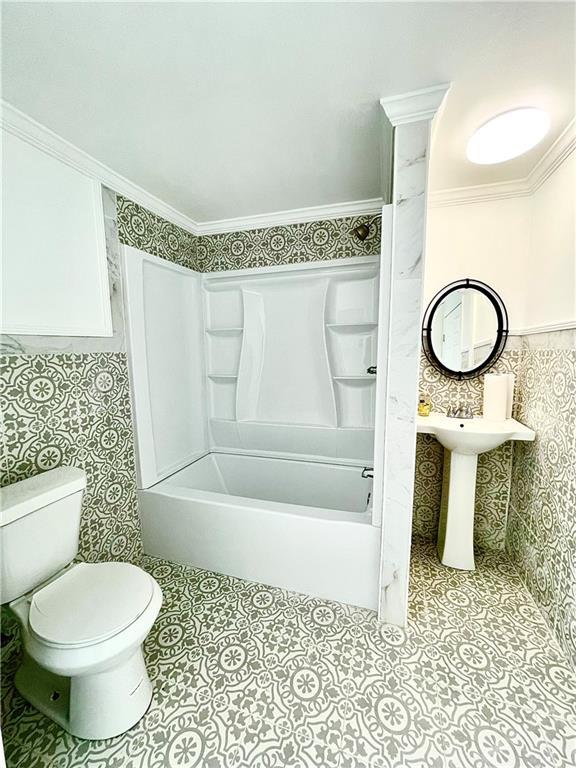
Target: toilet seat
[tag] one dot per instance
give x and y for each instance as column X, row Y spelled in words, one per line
column 89, row 604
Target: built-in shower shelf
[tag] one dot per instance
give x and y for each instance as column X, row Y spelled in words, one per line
column 366, row 378
column 224, row 331
column 351, row 327
column 232, row 376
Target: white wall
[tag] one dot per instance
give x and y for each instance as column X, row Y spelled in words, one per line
column 551, row 288
column 487, row 241
column 524, row 247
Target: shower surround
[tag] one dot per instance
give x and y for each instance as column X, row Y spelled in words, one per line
column 251, row 392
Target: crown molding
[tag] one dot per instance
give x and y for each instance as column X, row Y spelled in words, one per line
column 19, row 124
column 479, row 193
column 414, row 106
column 419, row 105
column 24, row 127
column 560, row 150
column 295, row 216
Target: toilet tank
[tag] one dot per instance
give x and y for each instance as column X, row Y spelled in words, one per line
column 39, row 528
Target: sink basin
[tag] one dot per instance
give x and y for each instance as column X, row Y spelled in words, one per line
column 463, row 440
column 472, row 436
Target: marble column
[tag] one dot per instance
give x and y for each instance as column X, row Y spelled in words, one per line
column 411, row 116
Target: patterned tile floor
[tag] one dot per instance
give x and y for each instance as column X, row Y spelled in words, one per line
column 247, row 675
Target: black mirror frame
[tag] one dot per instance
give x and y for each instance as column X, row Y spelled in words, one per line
column 501, row 316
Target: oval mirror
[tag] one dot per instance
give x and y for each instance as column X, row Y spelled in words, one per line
column 464, row 329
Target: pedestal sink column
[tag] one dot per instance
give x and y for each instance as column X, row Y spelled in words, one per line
column 463, row 440
column 456, row 529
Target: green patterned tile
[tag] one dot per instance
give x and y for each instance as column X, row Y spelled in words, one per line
column 494, row 467
column 427, row 486
column 136, row 225
column 289, row 244
column 75, row 410
column 270, row 246
column 542, row 495
column 151, row 233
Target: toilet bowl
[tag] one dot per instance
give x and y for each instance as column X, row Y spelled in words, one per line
column 82, row 634
column 82, row 625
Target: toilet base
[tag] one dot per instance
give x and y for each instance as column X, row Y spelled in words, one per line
column 97, row 706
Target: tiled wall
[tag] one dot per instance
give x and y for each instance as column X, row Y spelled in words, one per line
column 494, row 467
column 151, row 233
column 308, row 241
column 541, row 537
column 75, row 410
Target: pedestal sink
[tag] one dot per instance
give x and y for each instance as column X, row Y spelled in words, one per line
column 463, row 441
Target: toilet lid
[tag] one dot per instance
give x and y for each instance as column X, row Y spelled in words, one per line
column 90, row 603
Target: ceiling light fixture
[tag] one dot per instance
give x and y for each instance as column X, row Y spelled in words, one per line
column 507, row 135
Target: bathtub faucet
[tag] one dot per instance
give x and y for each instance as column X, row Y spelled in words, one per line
column 368, row 472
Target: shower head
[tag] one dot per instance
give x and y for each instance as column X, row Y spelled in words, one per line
column 361, row 231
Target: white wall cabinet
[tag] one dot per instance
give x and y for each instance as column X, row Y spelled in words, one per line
column 54, row 272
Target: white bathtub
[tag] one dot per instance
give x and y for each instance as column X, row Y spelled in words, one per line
column 305, row 526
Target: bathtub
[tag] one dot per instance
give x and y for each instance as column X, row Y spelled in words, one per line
column 301, row 525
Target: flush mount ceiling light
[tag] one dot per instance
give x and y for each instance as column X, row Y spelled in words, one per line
column 507, row 135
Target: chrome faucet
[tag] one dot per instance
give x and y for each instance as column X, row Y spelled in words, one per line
column 460, row 411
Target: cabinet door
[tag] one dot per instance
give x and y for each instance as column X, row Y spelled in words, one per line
column 54, row 273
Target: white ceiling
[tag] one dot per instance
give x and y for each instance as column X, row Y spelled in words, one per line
column 226, row 110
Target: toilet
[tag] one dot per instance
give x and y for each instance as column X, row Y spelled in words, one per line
column 82, row 624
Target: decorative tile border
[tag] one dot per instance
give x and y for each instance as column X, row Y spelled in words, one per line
column 290, row 244
column 269, row 246
column 74, row 409
column 151, row 233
